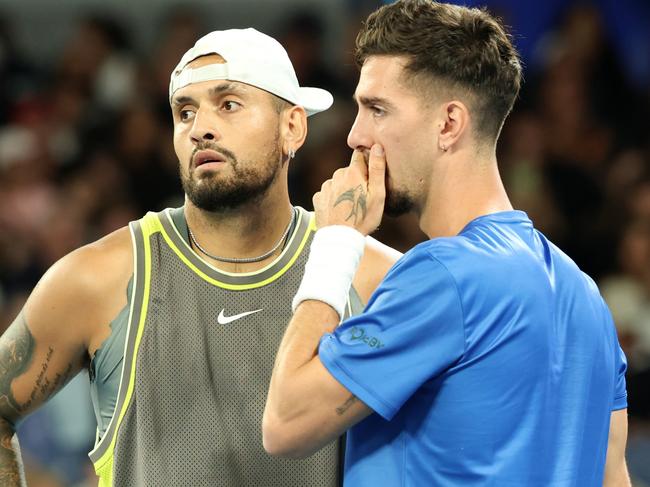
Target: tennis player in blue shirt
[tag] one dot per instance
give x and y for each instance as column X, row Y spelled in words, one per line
column 486, row 357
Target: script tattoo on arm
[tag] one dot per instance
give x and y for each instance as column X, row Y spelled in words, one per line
column 17, row 348
column 346, row 405
column 358, row 198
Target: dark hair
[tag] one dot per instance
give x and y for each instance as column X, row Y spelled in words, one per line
column 453, row 47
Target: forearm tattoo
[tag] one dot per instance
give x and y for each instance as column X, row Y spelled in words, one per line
column 346, row 405
column 17, row 349
column 358, row 198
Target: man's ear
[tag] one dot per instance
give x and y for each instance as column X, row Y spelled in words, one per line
column 452, row 124
column 293, row 130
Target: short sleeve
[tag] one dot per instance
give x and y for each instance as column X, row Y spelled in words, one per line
column 410, row 332
column 620, row 395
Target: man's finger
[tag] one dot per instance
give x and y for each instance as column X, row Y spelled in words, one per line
column 358, row 163
column 339, row 173
column 316, row 201
column 326, row 184
column 377, row 172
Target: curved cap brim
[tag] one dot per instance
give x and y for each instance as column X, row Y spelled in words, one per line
column 314, row 100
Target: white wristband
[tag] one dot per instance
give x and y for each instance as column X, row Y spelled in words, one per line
column 333, row 260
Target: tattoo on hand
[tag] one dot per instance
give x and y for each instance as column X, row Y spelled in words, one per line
column 346, row 405
column 358, row 198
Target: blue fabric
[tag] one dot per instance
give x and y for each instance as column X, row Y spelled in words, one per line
column 489, row 358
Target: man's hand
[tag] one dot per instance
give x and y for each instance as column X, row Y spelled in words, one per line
column 355, row 195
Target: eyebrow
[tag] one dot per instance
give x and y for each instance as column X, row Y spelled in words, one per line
column 214, row 91
column 372, row 100
column 183, row 100
column 227, row 87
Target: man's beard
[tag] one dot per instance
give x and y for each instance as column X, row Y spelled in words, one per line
column 215, row 193
column 398, row 202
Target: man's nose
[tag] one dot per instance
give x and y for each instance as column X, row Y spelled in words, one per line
column 359, row 137
column 204, row 127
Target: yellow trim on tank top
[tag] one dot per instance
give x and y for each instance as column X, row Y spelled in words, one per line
column 104, row 465
column 151, row 224
column 155, row 221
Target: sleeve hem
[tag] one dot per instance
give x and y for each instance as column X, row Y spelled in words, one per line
column 379, row 406
column 619, row 403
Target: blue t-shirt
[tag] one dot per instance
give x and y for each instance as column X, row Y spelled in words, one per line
column 489, row 358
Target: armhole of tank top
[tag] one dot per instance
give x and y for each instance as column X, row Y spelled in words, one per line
column 97, row 368
column 141, row 230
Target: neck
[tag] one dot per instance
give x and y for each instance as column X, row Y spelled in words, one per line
column 463, row 187
column 248, row 231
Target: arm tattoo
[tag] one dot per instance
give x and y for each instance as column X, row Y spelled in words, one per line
column 346, row 405
column 16, row 356
column 358, row 198
column 16, row 353
column 16, row 350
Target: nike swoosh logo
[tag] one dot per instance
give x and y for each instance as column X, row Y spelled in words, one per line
column 224, row 320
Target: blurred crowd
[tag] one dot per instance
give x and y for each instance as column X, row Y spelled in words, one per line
column 86, row 146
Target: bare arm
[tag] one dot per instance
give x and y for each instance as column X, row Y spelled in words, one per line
column 30, row 373
column 377, row 260
column 615, row 468
column 302, row 376
column 65, row 319
column 306, row 406
column 15, row 346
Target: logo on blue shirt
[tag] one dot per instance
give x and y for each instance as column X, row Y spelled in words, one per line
column 359, row 334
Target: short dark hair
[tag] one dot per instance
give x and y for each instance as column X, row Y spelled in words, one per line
column 455, row 47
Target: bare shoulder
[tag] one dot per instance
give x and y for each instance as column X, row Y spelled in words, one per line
column 83, row 291
column 377, row 259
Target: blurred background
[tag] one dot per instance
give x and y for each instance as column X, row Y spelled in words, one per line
column 86, row 146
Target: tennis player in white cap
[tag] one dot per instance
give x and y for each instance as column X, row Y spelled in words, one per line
column 178, row 316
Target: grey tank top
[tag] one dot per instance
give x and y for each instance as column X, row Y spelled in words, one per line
column 199, row 381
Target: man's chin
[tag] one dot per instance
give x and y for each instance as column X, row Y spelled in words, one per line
column 397, row 205
column 226, row 197
column 221, row 201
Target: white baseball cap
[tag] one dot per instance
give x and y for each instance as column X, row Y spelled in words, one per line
column 252, row 58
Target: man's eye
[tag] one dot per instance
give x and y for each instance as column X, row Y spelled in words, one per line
column 231, row 106
column 378, row 112
column 186, row 115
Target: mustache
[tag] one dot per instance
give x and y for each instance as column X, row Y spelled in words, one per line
column 215, row 147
